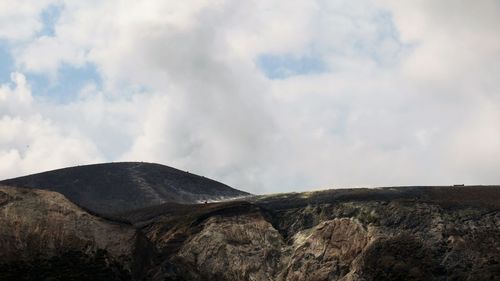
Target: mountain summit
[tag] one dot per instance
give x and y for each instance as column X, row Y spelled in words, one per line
column 119, row 187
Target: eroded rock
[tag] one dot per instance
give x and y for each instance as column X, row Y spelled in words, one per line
column 326, row 251
column 38, row 224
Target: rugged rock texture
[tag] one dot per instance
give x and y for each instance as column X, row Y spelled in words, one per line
column 326, row 251
column 412, row 236
column 42, row 229
column 239, row 248
column 414, row 233
column 121, row 187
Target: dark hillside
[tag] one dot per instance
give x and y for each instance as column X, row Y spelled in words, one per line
column 396, row 233
column 120, row 187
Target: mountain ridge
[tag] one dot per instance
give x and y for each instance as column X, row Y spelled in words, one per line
column 109, row 188
column 390, row 233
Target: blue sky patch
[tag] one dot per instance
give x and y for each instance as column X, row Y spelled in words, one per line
column 70, row 81
column 287, row 65
column 6, row 63
column 50, row 16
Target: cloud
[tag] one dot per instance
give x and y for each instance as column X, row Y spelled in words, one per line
column 455, row 39
column 19, row 20
column 30, row 142
column 18, row 99
column 474, row 148
column 369, row 93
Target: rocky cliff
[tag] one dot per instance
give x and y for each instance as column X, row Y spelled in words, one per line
column 43, row 235
column 439, row 233
column 412, row 233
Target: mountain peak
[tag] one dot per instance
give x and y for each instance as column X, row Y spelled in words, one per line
column 123, row 186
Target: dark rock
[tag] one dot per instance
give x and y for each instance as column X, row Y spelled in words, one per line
column 120, row 187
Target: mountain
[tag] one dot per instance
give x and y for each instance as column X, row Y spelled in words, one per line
column 404, row 233
column 44, row 236
column 395, row 233
column 120, row 187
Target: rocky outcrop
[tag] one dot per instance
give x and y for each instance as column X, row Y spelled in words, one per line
column 326, row 251
column 347, row 241
column 345, row 235
column 236, row 248
column 39, row 225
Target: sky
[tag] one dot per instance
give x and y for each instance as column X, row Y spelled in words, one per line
column 266, row 96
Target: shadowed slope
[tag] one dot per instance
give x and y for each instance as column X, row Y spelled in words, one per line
column 399, row 233
column 44, row 236
column 119, row 187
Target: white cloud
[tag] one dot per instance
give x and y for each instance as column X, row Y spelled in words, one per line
column 31, row 143
column 474, row 149
column 408, row 99
column 455, row 39
column 45, row 54
column 17, row 99
column 20, row 19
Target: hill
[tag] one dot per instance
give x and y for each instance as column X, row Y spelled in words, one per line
column 398, row 233
column 119, row 187
column 402, row 233
column 44, row 236
column 156, row 228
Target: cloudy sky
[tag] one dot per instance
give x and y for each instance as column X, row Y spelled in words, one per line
column 264, row 95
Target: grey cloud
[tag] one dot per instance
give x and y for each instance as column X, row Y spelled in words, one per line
column 426, row 115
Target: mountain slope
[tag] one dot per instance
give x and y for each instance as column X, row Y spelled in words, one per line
column 120, row 187
column 44, row 235
column 404, row 233
column 414, row 233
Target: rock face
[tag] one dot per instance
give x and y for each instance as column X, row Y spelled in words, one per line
column 415, row 233
column 326, row 251
column 38, row 226
column 121, row 187
column 358, row 238
column 237, row 248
